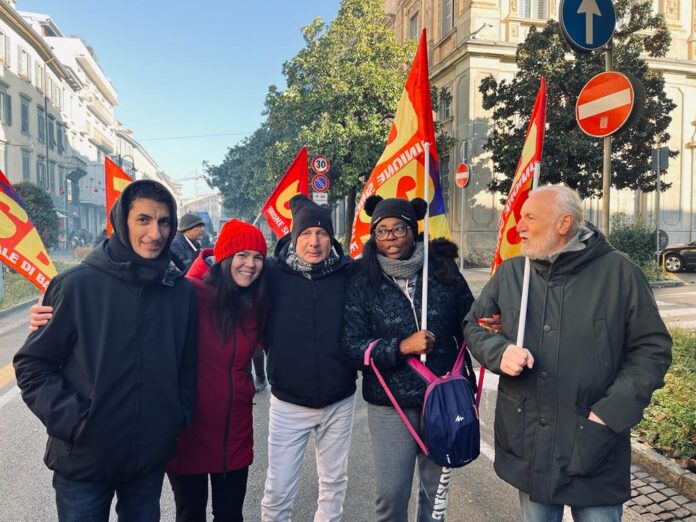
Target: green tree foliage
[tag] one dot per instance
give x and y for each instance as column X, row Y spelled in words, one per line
column 669, row 423
column 570, row 156
column 41, row 211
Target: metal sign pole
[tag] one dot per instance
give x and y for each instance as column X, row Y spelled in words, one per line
column 461, row 233
column 657, row 206
column 606, row 175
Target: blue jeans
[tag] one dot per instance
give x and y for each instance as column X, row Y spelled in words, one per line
column 535, row 512
column 138, row 500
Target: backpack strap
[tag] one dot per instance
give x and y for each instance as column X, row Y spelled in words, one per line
column 370, row 362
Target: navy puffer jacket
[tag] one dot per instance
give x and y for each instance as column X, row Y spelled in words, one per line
column 385, row 313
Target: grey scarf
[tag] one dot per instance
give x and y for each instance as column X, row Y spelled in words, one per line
column 577, row 243
column 403, row 268
column 311, row 270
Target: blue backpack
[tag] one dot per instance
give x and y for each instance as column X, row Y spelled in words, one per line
column 449, row 421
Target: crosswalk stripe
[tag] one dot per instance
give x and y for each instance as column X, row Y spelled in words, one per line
column 678, row 311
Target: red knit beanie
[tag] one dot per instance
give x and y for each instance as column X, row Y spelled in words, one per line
column 236, row 236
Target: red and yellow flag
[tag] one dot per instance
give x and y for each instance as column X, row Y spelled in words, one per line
column 509, row 244
column 400, row 171
column 295, row 181
column 116, row 181
column 21, row 247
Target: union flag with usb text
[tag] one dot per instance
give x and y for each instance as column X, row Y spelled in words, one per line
column 295, row 181
column 21, row 247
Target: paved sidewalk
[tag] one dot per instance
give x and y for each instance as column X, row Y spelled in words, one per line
column 654, row 501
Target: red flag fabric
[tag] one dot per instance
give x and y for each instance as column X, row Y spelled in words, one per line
column 509, row 243
column 400, row 171
column 295, row 181
column 116, row 181
column 21, row 247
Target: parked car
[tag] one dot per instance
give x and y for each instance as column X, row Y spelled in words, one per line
column 679, row 257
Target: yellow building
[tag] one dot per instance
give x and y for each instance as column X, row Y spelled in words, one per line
column 471, row 39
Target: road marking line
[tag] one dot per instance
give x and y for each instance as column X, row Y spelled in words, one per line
column 665, row 303
column 604, row 104
column 13, row 324
column 7, row 397
column 678, row 311
column 487, row 451
column 6, row 374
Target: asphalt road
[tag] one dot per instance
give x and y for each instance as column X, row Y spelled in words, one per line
column 25, row 484
column 476, row 493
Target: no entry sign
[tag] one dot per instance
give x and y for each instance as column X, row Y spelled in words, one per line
column 605, row 104
column 461, row 175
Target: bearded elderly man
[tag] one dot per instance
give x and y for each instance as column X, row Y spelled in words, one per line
column 313, row 389
column 594, row 350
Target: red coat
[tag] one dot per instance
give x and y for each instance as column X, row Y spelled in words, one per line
column 221, row 435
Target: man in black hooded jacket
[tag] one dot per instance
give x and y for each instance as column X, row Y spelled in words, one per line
column 112, row 375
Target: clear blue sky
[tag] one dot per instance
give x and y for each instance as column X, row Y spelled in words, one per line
column 189, row 68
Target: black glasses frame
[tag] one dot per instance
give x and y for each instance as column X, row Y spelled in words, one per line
column 399, row 231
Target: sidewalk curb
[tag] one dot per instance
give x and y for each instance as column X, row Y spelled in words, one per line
column 666, row 284
column 660, row 467
column 18, row 307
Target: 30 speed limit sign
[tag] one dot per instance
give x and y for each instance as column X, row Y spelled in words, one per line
column 320, row 164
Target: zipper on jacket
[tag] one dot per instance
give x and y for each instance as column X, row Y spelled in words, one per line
column 314, row 334
column 411, row 300
column 138, row 372
column 230, row 396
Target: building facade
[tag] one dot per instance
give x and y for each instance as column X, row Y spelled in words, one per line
column 57, row 120
column 470, row 40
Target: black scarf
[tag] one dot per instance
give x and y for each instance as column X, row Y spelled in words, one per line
column 119, row 247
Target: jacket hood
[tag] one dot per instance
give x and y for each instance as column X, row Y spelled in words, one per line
column 572, row 262
column 100, row 259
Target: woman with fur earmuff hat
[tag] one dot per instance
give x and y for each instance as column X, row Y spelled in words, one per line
column 384, row 302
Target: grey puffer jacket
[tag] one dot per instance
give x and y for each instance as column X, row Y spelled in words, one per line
column 385, row 313
column 599, row 345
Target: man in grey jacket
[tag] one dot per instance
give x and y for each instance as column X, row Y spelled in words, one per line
column 594, row 351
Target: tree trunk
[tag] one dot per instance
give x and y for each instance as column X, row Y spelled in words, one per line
column 350, row 214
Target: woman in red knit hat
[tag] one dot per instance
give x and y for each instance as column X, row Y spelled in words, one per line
column 232, row 307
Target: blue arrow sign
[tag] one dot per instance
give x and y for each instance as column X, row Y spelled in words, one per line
column 588, row 24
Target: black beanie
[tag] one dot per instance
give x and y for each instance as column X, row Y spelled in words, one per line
column 410, row 211
column 306, row 213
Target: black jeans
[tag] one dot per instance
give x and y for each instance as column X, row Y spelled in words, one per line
column 191, row 495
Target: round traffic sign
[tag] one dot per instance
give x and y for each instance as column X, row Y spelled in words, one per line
column 588, row 25
column 461, row 175
column 320, row 164
column 320, row 183
column 605, row 104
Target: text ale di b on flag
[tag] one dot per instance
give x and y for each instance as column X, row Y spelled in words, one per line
column 116, row 181
column 21, row 247
column 400, row 171
column 509, row 243
column 295, row 181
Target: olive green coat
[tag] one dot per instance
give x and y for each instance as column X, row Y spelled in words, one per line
column 599, row 344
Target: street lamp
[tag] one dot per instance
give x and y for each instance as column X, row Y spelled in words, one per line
column 132, row 169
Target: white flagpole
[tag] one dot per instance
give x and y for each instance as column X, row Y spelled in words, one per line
column 426, row 233
column 257, row 218
column 525, row 282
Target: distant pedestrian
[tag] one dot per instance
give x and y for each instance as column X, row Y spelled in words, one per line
column 594, row 350
column 232, row 308
column 112, row 375
column 383, row 303
column 187, row 243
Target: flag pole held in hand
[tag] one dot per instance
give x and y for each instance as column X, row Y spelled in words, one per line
column 426, row 231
